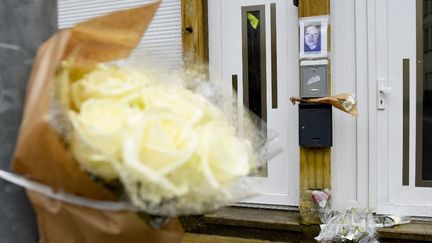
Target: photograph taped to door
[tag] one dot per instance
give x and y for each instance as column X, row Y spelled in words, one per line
column 313, row 36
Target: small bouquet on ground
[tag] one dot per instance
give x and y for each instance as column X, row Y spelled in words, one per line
column 322, row 199
column 106, row 141
column 350, row 225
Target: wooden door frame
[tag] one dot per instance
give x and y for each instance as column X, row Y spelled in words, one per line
column 194, row 29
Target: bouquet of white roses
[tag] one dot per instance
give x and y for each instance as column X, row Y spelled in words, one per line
column 170, row 149
column 99, row 142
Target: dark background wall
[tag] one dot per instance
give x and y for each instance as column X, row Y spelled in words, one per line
column 24, row 25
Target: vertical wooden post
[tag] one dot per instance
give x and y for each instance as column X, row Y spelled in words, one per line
column 194, row 32
column 315, row 171
column 195, row 49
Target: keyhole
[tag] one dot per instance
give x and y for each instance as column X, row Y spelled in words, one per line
column 381, row 102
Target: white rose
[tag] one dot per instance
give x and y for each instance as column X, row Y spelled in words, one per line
column 157, row 144
column 222, row 155
column 108, row 82
column 181, row 102
column 348, row 103
column 97, row 135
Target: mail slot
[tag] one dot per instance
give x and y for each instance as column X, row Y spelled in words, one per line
column 314, row 81
column 315, row 125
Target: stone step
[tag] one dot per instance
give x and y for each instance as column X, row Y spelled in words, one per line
column 269, row 225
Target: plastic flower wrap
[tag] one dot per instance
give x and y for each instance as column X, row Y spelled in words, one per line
column 322, row 199
column 350, row 225
column 170, row 149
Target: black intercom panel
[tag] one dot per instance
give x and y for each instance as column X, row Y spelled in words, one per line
column 315, row 125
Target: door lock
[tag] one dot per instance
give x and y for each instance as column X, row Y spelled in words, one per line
column 383, row 93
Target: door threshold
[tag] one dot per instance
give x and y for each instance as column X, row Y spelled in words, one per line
column 413, row 218
column 421, row 219
column 265, row 206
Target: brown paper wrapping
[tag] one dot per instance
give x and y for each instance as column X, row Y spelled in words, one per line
column 41, row 155
column 335, row 100
column 64, row 223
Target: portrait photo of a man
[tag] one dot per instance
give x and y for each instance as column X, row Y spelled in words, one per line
column 313, row 37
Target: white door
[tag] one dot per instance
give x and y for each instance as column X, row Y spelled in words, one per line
column 254, row 46
column 349, row 69
column 403, row 115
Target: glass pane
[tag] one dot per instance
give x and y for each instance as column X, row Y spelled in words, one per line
column 427, row 93
column 426, row 44
column 254, row 63
column 256, row 84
